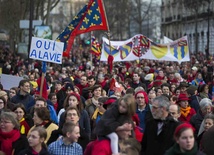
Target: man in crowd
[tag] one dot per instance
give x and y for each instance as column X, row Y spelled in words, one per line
column 158, row 135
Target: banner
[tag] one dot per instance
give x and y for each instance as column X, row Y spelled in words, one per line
column 141, row 47
column 46, row 50
column 177, row 50
column 9, row 81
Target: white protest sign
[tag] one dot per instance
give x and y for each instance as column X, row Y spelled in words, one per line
column 46, row 50
column 9, row 81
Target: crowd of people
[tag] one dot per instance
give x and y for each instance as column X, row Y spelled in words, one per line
column 144, row 107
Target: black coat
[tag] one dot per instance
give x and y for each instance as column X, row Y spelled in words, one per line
column 207, row 141
column 196, row 121
column 153, row 144
column 109, row 121
column 19, row 144
column 28, row 151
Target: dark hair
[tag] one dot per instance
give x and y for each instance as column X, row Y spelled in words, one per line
column 91, row 77
column 51, row 95
column 165, row 85
column 43, row 113
column 96, row 87
column 130, row 91
column 20, row 105
column 15, row 88
column 22, row 82
column 201, row 88
column 71, row 108
column 41, row 99
column 79, row 106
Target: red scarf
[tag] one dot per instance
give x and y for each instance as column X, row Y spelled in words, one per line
column 6, row 139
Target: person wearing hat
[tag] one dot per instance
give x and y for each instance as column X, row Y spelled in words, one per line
column 194, row 98
column 142, row 101
column 183, row 87
column 149, row 78
column 185, row 141
column 186, row 111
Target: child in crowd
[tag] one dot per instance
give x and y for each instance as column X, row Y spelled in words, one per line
column 112, row 119
column 36, row 141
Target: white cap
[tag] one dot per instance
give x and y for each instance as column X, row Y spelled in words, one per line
column 194, row 68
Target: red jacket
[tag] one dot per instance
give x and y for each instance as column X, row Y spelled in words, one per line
column 98, row 147
column 187, row 119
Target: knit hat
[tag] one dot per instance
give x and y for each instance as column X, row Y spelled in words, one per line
column 110, row 100
column 194, row 68
column 182, row 126
column 183, row 84
column 182, row 97
column 69, row 86
column 149, row 77
column 76, row 95
column 191, row 90
column 144, row 94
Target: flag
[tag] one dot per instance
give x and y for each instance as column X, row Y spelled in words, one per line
column 125, row 50
column 95, row 46
column 91, row 17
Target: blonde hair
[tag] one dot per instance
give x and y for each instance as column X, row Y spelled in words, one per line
column 130, row 102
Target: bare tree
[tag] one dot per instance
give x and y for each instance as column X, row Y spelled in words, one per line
column 140, row 12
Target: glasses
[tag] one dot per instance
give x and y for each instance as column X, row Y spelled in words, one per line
column 154, row 107
column 5, row 122
column 70, row 114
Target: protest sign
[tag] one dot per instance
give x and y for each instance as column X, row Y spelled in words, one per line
column 9, row 81
column 46, row 50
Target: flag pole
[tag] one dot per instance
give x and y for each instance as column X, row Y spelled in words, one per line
column 110, row 57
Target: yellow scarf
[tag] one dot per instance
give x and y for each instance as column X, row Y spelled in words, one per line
column 96, row 112
column 185, row 111
column 22, row 128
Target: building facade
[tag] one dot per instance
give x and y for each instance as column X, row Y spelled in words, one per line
column 192, row 18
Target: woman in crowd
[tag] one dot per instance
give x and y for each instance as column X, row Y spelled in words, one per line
column 53, row 98
column 186, row 111
column 11, row 140
column 13, row 91
column 92, row 103
column 71, row 114
column 3, row 104
column 36, row 140
column 205, row 108
column 73, row 100
column 24, row 119
column 185, row 141
column 204, row 91
column 41, row 117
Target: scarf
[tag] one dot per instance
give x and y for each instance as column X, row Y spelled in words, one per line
column 175, row 150
column 7, row 139
column 185, row 111
column 95, row 102
column 96, row 113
